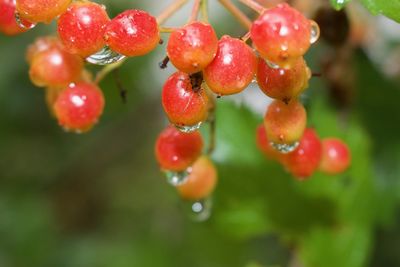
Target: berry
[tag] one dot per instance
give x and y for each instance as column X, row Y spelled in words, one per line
column 305, row 159
column 281, row 35
column 41, row 10
column 132, row 33
column 283, row 84
column 335, row 156
column 183, row 104
column 82, row 28
column 201, row 181
column 233, row 67
column 8, row 25
column 264, row 145
column 285, row 123
column 41, row 44
column 54, row 66
column 79, row 106
column 192, row 47
column 175, row 151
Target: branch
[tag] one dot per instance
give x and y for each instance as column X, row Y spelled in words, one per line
column 170, row 10
column 237, row 13
column 253, row 5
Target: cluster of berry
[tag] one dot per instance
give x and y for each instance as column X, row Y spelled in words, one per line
column 280, row 37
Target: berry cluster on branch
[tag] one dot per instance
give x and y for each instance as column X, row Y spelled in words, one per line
column 208, row 67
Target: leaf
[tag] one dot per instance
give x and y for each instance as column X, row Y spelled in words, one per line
column 389, row 8
column 339, row 4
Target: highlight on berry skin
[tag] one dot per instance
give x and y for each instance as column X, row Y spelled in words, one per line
column 175, row 150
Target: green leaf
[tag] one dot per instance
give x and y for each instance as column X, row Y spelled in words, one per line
column 389, row 8
column 339, row 4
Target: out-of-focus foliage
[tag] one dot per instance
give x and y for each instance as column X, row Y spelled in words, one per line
column 389, row 8
column 99, row 199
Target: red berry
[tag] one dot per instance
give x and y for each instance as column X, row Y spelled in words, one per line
column 283, row 84
column 79, row 106
column 41, row 44
column 264, row 145
column 41, row 10
column 54, row 66
column 82, row 28
column 8, row 24
column 183, row 104
column 192, row 47
column 335, row 156
column 281, row 35
column 201, row 181
column 233, row 67
column 305, row 159
column 285, row 123
column 175, row 151
column 132, row 33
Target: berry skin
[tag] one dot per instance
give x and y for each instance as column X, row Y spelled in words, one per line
column 81, row 28
column 192, row 47
column 54, row 67
column 8, row 25
column 183, row 104
column 176, row 151
column 132, row 33
column 41, row 10
column 201, row 181
column 336, row 156
column 232, row 69
column 41, row 44
column 283, row 84
column 285, row 123
column 305, row 159
column 79, row 106
column 281, row 35
column 264, row 145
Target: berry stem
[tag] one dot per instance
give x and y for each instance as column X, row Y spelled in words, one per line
column 204, row 10
column 195, row 11
column 245, row 37
column 167, row 29
column 106, row 70
column 170, row 10
column 253, row 5
column 211, row 119
column 121, row 89
column 237, row 13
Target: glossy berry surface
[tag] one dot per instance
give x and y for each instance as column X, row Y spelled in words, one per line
column 41, row 10
column 183, row 104
column 285, row 123
column 81, row 28
column 55, row 67
column 233, row 67
column 192, row 47
column 8, row 24
column 41, row 44
column 201, row 181
column 79, row 106
column 175, row 151
column 264, row 145
column 305, row 159
column 132, row 33
column 281, row 35
column 283, row 84
column 336, row 156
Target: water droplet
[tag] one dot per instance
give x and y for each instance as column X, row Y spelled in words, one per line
column 272, row 64
column 177, row 178
column 24, row 24
column 285, row 148
column 314, row 32
column 104, row 57
column 199, row 210
column 188, row 128
column 338, row 4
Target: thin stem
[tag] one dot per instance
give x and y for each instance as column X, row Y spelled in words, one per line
column 236, row 12
column 121, row 89
column 211, row 119
column 195, row 11
column 167, row 29
column 107, row 69
column 170, row 10
column 253, row 5
column 246, row 37
column 204, row 10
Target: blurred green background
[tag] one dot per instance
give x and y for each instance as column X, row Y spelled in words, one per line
column 99, row 199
